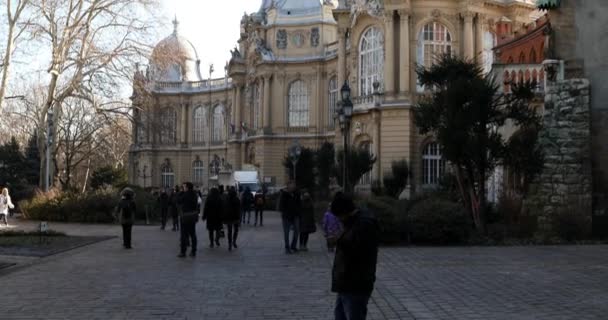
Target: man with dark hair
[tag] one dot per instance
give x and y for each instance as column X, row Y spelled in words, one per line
column 354, row 270
column 188, row 201
column 289, row 205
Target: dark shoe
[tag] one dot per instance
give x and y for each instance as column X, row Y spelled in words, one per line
column 230, row 248
column 193, row 254
column 217, row 243
column 181, row 255
column 288, row 251
column 294, row 250
column 211, row 246
column 234, row 245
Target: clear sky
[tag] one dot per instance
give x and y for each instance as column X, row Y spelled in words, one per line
column 213, row 26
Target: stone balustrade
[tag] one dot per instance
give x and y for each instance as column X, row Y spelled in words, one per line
column 193, row 86
column 506, row 74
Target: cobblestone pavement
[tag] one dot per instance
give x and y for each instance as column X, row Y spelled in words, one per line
column 257, row 281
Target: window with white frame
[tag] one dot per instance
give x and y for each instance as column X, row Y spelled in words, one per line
column 168, row 124
column 257, row 108
column 200, row 128
column 333, row 101
column 167, row 177
column 198, row 171
column 433, row 165
column 371, row 61
column 434, row 41
column 218, row 123
column 298, row 105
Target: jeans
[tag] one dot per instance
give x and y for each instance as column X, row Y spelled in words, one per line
column 288, row 224
column 233, row 233
column 188, row 233
column 126, row 235
column 351, row 306
column 261, row 213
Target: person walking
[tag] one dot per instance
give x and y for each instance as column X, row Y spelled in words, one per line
column 126, row 215
column 5, row 205
column 332, row 228
column 307, row 220
column 213, row 215
column 163, row 200
column 289, row 206
column 246, row 205
column 259, row 203
column 354, row 269
column 173, row 208
column 188, row 202
column 232, row 217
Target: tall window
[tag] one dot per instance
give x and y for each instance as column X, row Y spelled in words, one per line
column 197, row 172
column 333, row 101
column 257, row 118
column 434, row 41
column 167, row 177
column 218, row 123
column 489, row 42
column 298, row 105
column 168, row 124
column 433, row 165
column 371, row 60
column 200, row 127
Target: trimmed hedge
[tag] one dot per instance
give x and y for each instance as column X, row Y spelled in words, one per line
column 436, row 220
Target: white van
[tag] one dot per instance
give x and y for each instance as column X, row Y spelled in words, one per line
column 246, row 179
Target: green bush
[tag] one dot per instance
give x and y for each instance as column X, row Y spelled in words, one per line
column 435, row 220
column 396, row 182
column 108, row 176
column 391, row 217
column 93, row 207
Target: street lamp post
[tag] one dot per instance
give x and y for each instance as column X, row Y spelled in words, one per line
column 49, row 144
column 345, row 114
column 294, row 155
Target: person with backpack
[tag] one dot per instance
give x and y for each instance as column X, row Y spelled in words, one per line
column 5, row 205
column 188, row 201
column 213, row 215
column 126, row 216
column 260, row 202
column 246, row 205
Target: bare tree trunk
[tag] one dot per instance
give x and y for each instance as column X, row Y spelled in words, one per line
column 86, row 177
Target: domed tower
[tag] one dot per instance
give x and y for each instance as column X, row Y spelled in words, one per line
column 174, row 59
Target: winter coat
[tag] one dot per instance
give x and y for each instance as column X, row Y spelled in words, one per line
column 125, row 211
column 246, row 200
column 290, row 204
column 5, row 204
column 188, row 201
column 259, row 200
column 163, row 200
column 332, row 227
column 231, row 214
column 173, row 204
column 307, row 217
column 354, row 269
column 213, row 213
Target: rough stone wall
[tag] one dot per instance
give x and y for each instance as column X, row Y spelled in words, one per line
column 565, row 182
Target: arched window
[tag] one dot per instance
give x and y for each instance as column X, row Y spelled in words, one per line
column 218, row 123
column 298, row 105
column 257, row 110
column 434, row 41
column 167, row 177
column 533, row 56
column 433, row 165
column 371, row 60
column 200, row 127
column 489, row 42
column 197, row 172
column 522, row 57
column 168, row 126
column 333, row 101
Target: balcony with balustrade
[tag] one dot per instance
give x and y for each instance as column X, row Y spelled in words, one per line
column 506, row 75
column 211, row 85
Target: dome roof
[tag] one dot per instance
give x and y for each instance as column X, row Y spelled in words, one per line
column 293, row 12
column 174, row 59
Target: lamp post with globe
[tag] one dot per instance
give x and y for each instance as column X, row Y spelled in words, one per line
column 345, row 115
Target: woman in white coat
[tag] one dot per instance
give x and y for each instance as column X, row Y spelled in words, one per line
column 5, row 205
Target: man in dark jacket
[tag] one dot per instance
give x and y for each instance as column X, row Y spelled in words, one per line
column 163, row 200
column 290, row 205
column 188, row 200
column 354, row 270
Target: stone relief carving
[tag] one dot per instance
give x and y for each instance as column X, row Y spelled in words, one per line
column 297, row 38
column 372, row 7
column 315, row 37
column 281, row 39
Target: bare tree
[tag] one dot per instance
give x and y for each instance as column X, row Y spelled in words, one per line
column 15, row 29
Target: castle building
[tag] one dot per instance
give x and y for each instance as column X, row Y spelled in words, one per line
column 283, row 80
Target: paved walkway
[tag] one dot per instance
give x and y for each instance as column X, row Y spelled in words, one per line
column 258, row 281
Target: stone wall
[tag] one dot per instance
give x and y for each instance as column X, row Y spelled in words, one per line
column 565, row 184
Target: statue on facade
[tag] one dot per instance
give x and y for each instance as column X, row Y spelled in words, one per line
column 236, row 54
column 315, row 37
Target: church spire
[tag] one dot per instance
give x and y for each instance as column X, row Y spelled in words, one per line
column 175, row 25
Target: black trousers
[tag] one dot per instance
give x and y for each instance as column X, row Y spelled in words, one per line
column 233, row 233
column 175, row 219
column 126, row 235
column 259, row 211
column 303, row 239
column 188, row 234
column 3, row 218
column 214, row 237
column 164, row 212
